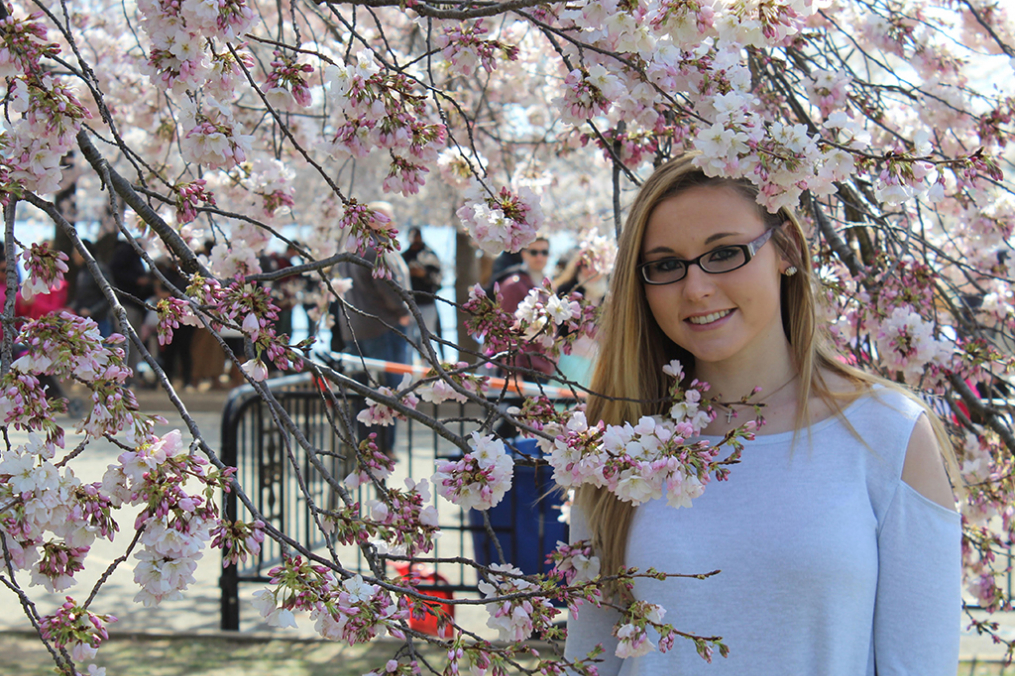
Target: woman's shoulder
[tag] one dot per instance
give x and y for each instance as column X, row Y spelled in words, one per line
column 866, row 400
column 889, row 423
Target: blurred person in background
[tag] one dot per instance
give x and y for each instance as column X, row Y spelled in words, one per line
column 425, row 276
column 89, row 301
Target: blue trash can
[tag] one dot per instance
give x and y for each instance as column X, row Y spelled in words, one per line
column 525, row 521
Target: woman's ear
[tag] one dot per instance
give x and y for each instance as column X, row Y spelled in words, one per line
column 789, row 239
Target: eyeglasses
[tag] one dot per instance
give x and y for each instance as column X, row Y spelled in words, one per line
column 714, row 262
column 538, row 252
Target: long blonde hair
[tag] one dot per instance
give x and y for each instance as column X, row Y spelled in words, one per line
column 629, row 332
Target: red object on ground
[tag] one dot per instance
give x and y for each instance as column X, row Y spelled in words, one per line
column 429, row 583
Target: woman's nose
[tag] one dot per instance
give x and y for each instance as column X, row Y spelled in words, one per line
column 697, row 283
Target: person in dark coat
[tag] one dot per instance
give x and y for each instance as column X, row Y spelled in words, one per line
column 89, row 300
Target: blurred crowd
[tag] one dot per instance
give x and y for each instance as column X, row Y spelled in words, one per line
column 368, row 323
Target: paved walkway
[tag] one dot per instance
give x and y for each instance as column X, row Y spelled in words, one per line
column 198, row 612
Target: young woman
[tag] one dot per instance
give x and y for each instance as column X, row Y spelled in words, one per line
column 836, row 534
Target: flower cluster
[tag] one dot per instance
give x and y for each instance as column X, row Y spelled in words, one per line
column 211, row 138
column 286, row 87
column 515, row 619
column 465, row 48
column 75, row 627
column 902, row 178
column 404, row 177
column 353, row 610
column 369, row 228
column 574, row 563
column 886, row 310
column 502, row 222
column 686, row 22
column 988, row 517
column 297, row 585
column 46, row 269
column 23, row 404
column 488, row 321
column 438, row 390
column 906, row 344
column 827, row 90
column 23, row 45
column 380, row 414
column 187, row 197
column 34, row 143
column 225, row 71
column 237, row 255
column 39, row 499
column 254, row 304
column 402, row 520
column 644, row 461
column 62, row 345
column 588, row 93
column 237, row 540
column 358, row 614
column 480, row 479
column 179, row 34
column 382, row 111
column 459, row 166
column 56, row 567
column 176, row 524
column 632, row 630
column 598, row 252
column 553, row 323
column 405, row 521
column 172, row 312
column 541, row 312
column 273, row 181
column 372, row 463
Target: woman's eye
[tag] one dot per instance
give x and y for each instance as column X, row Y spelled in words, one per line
column 724, row 254
column 668, row 265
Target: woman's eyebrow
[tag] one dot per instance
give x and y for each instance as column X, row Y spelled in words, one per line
column 720, row 235
column 709, row 240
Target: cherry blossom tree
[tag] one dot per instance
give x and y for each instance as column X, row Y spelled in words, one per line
column 886, row 123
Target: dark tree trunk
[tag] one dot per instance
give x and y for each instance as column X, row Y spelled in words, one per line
column 66, row 201
column 466, row 276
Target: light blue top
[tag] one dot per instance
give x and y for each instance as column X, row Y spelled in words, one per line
column 831, row 564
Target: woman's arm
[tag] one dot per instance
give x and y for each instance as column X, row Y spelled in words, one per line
column 592, row 625
column 917, row 612
column 923, row 470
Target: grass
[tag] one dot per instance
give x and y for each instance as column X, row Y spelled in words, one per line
column 24, row 655
column 976, row 668
column 172, row 656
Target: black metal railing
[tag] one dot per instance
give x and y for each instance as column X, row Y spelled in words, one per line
column 525, row 523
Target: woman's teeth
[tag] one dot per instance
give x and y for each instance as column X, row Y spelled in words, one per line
column 708, row 319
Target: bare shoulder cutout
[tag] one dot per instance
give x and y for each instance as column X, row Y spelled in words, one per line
column 924, row 468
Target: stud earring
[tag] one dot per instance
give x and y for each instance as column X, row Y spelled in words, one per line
column 790, row 271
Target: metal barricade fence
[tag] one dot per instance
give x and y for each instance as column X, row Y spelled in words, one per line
column 259, row 449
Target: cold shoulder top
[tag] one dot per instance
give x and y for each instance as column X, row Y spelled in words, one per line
column 830, row 563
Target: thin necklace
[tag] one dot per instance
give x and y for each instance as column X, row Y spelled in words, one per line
column 729, row 407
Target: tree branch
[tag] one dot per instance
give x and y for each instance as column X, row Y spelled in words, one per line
column 188, row 259
column 480, row 9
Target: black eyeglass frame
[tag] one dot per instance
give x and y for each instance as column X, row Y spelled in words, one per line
column 749, row 249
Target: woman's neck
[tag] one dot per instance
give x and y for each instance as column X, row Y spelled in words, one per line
column 732, row 382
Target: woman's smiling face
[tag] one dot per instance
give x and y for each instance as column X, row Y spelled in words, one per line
column 731, row 318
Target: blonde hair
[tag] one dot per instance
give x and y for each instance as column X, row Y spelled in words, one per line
column 630, row 332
